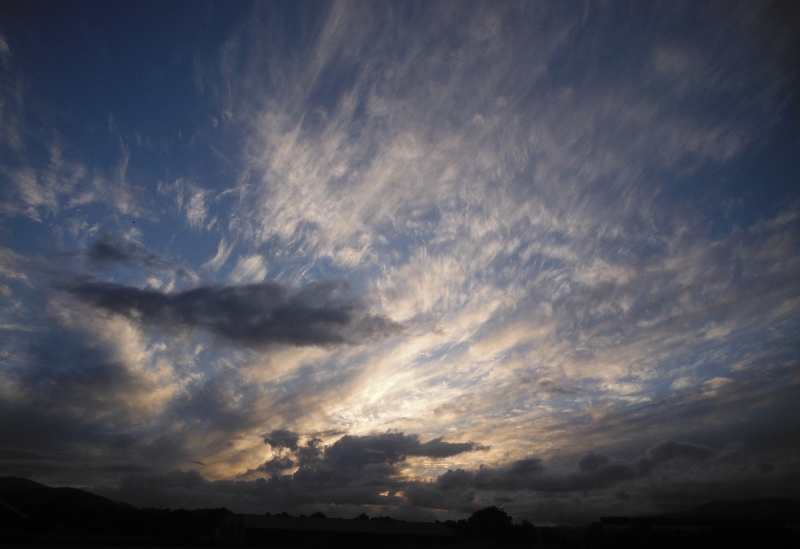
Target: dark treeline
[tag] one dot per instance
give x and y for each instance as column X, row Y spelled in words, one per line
column 495, row 526
column 35, row 515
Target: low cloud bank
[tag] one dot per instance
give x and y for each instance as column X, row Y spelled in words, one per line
column 362, row 472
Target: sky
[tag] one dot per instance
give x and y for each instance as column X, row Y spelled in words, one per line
column 402, row 258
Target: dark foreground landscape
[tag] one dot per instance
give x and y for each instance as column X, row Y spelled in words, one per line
column 34, row 515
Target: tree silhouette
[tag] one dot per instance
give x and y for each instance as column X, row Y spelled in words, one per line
column 491, row 522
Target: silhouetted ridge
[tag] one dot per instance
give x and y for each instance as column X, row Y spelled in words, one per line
column 35, row 500
column 33, row 513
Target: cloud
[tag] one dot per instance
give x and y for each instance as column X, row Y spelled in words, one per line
column 594, row 471
column 108, row 249
column 359, row 451
column 254, row 315
column 190, row 200
column 282, row 438
column 390, row 448
column 352, row 470
column 531, row 197
column 549, row 387
column 592, row 462
column 43, row 191
column 196, row 210
column 69, row 397
column 321, row 185
column 64, row 369
column 276, row 465
column 363, row 471
column 12, row 264
column 219, row 259
column 670, row 450
column 251, row 269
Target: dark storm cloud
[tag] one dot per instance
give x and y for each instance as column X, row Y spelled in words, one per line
column 276, row 465
column 668, row 476
column 391, row 448
column 354, row 470
column 458, row 478
column 66, row 370
column 592, row 462
column 360, row 451
column 437, row 448
column 363, row 470
column 741, row 409
column 71, row 410
column 594, row 471
column 281, row 438
column 669, row 450
column 319, row 313
column 350, row 469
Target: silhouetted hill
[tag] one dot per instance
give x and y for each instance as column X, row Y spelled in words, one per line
column 784, row 510
column 38, row 500
column 34, row 513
